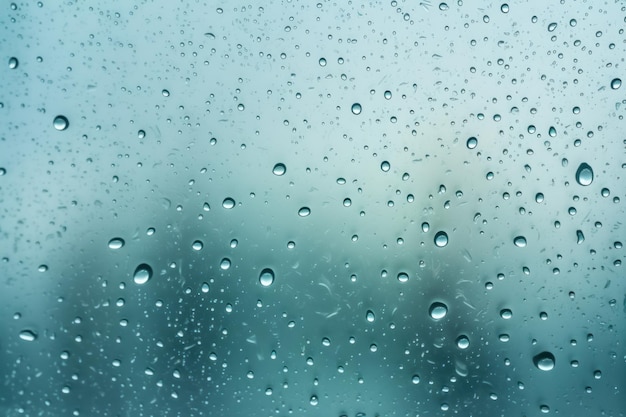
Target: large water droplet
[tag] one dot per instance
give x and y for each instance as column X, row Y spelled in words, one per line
column 552, row 27
column 142, row 274
column 116, row 243
column 403, row 277
column 28, row 335
column 462, row 342
column 438, row 310
column 580, row 237
column 279, row 169
column 304, row 211
column 584, row 174
column 506, row 313
column 61, row 123
column 13, row 63
column 441, row 239
column 471, row 143
column 385, row 166
column 369, row 316
column 197, row 245
column 544, row 361
column 225, row 264
column 356, row 108
column 228, row 203
column 616, row 83
column 520, row 241
column 266, row 278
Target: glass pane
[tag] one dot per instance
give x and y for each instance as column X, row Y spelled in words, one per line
column 299, row 208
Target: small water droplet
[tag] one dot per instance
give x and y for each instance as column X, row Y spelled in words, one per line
column 387, row 94
column 441, row 239
column 228, row 203
column 116, row 243
column 197, row 245
column 616, row 83
column 471, row 143
column 369, row 316
column 322, row 62
column 28, row 335
column 279, row 169
column 225, row 264
column 403, row 277
column 165, row 93
column 520, row 241
column 385, row 166
column 504, row 8
column 443, row 6
column 462, row 342
column 552, row 131
column 580, row 237
column 356, row 108
column 61, row 123
column 304, row 211
column 438, row 310
column 544, row 361
column 584, row 174
column 13, row 63
column 552, row 27
column 142, row 274
column 539, row 197
column 141, row 134
column 266, row 278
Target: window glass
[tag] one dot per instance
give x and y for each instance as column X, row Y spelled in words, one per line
column 397, row 208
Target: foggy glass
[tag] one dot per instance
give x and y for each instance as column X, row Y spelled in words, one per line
column 397, row 208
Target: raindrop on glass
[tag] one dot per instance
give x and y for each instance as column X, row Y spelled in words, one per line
column 61, row 123
column 506, row 314
column 142, row 274
column 369, row 316
column 13, row 63
column 520, row 241
column 616, row 83
column 356, row 108
column 225, row 264
column 28, row 335
column 544, row 361
column 304, row 211
column 403, row 277
column 279, row 169
column 197, row 245
column 438, row 310
column 584, row 174
column 266, row 278
column 471, row 143
column 228, row 203
column 385, row 166
column 441, row 239
column 116, row 243
column 462, row 342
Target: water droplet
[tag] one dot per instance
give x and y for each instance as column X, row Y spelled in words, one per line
column 443, row 6
column 425, row 227
column 225, row 264
column 228, row 203
column 304, row 211
column 13, row 63
column 356, row 108
column 385, row 166
column 504, row 8
column 387, row 94
column 580, row 237
column 441, row 239
column 415, row 379
column 369, row 316
column 142, row 274
column 584, row 174
column 165, row 93
column 552, row 131
column 403, row 277
column 266, row 278
column 322, row 62
column 28, row 335
column 116, row 243
column 544, row 361
column 462, row 342
column 141, row 134
column 506, row 314
column 544, row 409
column 520, row 241
column 552, row 27
column 471, row 143
column 197, row 245
column 539, row 197
column 616, row 83
column 313, row 401
column 279, row 169
column 438, row 310
column 61, row 123
column 205, row 287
